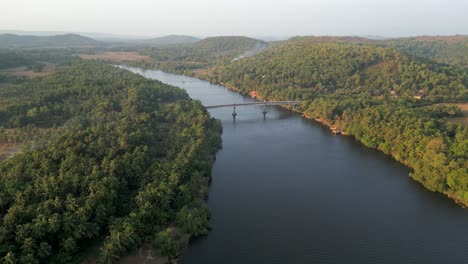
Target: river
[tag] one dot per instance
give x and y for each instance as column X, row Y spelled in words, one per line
column 286, row 190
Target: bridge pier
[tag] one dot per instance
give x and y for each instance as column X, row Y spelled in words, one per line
column 234, row 114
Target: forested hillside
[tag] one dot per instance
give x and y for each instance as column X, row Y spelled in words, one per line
column 67, row 40
column 444, row 49
column 449, row 49
column 35, row 59
column 369, row 92
column 310, row 67
column 122, row 158
column 171, row 40
column 206, row 52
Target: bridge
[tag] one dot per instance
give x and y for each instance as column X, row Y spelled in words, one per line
column 264, row 103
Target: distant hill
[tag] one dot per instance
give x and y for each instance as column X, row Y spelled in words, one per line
column 345, row 65
column 26, row 41
column 445, row 49
column 200, row 54
column 340, row 39
column 207, row 50
column 234, row 44
column 171, row 40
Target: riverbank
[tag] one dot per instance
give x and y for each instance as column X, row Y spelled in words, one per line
column 334, row 126
column 458, row 200
column 287, row 182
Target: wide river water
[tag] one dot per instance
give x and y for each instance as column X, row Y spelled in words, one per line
column 286, row 190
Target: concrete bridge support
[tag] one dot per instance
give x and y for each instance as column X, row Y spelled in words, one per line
column 234, row 114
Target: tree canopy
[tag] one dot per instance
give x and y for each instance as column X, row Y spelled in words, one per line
column 122, row 157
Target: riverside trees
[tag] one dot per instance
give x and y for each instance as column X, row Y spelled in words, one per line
column 120, row 163
column 368, row 92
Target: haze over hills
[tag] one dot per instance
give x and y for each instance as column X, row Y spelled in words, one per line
column 445, row 49
column 226, row 43
column 94, row 35
column 26, row 41
column 199, row 54
column 171, row 40
column 206, row 49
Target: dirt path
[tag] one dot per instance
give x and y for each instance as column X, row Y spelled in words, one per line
column 115, row 56
column 8, row 150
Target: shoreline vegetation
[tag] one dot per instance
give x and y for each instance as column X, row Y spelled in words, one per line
column 400, row 104
column 431, row 167
column 121, row 162
column 463, row 202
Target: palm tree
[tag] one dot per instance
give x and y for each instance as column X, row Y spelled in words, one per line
column 28, row 246
column 108, row 255
column 69, row 245
column 117, row 242
column 9, row 258
column 44, row 250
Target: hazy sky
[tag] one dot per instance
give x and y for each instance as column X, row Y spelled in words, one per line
column 239, row 17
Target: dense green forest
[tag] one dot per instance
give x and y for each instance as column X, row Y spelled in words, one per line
column 369, row 92
column 122, row 158
column 444, row 49
column 34, row 58
column 449, row 49
column 200, row 54
column 303, row 68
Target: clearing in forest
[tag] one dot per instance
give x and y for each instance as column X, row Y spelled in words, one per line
column 115, row 56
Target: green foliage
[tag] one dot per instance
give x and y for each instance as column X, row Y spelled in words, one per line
column 35, row 60
column 12, row 60
column 417, row 136
column 450, row 49
column 167, row 244
column 215, row 48
column 194, row 221
column 185, row 57
column 442, row 49
column 302, row 68
column 9, row 78
column 9, row 258
column 119, row 152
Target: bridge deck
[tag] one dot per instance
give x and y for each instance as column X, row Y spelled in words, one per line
column 256, row 103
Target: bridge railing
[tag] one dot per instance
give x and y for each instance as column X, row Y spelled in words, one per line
column 256, row 103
